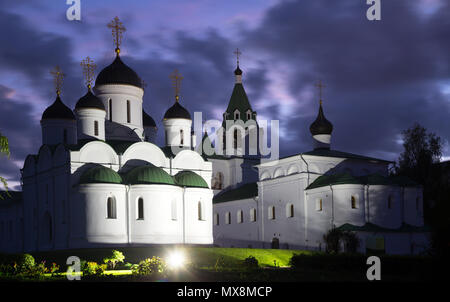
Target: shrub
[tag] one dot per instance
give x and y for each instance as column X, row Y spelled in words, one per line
column 334, row 237
column 117, row 257
column 149, row 266
column 251, row 262
column 93, row 269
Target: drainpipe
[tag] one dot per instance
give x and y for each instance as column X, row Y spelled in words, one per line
column 368, row 204
column 332, row 207
column 304, row 201
column 127, row 195
column 184, row 217
column 262, row 213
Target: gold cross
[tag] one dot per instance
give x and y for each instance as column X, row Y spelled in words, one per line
column 237, row 53
column 176, row 79
column 88, row 70
column 320, row 86
column 58, row 78
column 117, row 30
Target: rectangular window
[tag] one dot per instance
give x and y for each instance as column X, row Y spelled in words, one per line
column 111, row 205
column 181, row 137
column 174, row 209
column 252, row 215
column 240, row 216
column 96, row 128
column 353, row 201
column 216, row 218
column 110, row 109
column 140, row 209
column 319, row 205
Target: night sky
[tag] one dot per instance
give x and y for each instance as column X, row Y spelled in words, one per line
column 380, row 76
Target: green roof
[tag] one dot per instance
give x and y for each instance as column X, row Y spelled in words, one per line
column 373, row 228
column 339, row 154
column 148, row 174
column 100, row 174
column 373, row 179
column 167, row 150
column 239, row 101
column 190, row 179
column 245, row 191
column 334, row 179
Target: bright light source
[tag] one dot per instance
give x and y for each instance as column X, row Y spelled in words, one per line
column 175, row 259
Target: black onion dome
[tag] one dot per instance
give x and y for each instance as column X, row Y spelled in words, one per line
column 321, row 125
column 58, row 110
column 89, row 100
column 177, row 111
column 238, row 71
column 118, row 73
column 147, row 120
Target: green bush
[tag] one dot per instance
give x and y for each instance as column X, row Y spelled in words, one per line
column 149, row 266
column 251, row 262
column 93, row 269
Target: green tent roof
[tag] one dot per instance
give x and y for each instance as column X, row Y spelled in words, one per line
column 339, row 154
column 370, row 227
column 245, row 191
column 239, row 101
column 334, row 179
column 190, row 179
column 100, row 174
column 148, row 174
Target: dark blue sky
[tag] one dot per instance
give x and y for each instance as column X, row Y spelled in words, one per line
column 380, row 76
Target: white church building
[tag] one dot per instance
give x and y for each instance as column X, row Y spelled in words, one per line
column 99, row 180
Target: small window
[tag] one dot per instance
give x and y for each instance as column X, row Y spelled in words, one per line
column 237, row 115
column 96, row 128
column 353, row 201
column 200, row 211
column 240, row 216
column 140, row 213
column 111, row 208
column 390, row 202
column 249, row 116
column 252, row 214
column 227, row 218
column 65, row 136
column 235, row 136
column 110, row 109
column 289, row 210
column 181, row 137
column 174, row 210
column 271, row 212
column 319, row 205
column 216, row 218
column 128, row 112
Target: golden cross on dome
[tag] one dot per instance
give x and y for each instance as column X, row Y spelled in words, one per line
column 88, row 70
column 176, row 79
column 237, row 53
column 58, row 78
column 320, row 86
column 117, row 31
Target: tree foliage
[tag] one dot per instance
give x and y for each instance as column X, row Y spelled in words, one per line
column 4, row 150
column 422, row 149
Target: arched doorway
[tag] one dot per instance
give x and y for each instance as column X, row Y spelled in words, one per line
column 275, row 243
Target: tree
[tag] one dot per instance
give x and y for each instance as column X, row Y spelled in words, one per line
column 422, row 149
column 4, row 150
column 335, row 237
column 116, row 257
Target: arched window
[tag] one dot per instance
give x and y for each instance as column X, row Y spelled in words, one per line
column 319, row 205
column 181, row 137
column 96, row 128
column 252, row 214
column 110, row 109
column 390, row 202
column 216, row 218
column 140, row 213
column 240, row 216
column 237, row 115
column 65, row 136
column 128, row 112
column 111, row 208
column 353, row 201
column 200, row 211
column 289, row 210
column 227, row 218
column 235, row 138
column 271, row 212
